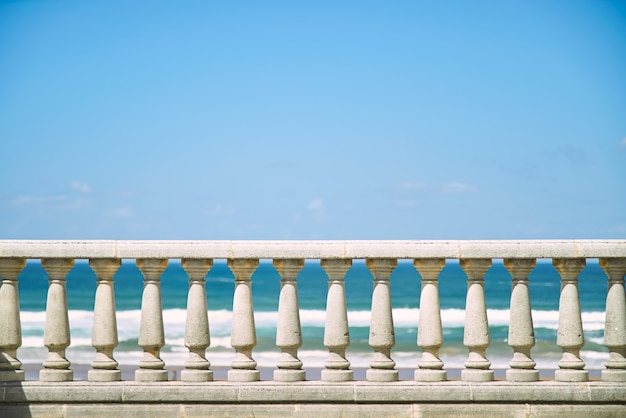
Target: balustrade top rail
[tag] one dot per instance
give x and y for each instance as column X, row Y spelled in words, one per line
column 339, row 249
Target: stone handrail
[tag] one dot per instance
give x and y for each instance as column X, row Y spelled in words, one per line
column 151, row 257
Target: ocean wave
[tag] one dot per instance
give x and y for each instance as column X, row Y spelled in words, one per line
column 220, row 321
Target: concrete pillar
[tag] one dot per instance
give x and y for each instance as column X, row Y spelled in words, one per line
column 10, row 326
column 570, row 335
column 197, row 334
column 521, row 331
column 288, row 330
column 336, row 331
column 151, row 332
column 56, row 336
column 615, row 324
column 382, row 335
column 243, row 332
column 429, row 329
column 476, row 333
column 104, row 332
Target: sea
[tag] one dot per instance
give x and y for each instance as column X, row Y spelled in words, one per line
column 405, row 284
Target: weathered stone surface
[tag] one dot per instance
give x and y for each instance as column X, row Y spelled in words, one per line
column 313, row 249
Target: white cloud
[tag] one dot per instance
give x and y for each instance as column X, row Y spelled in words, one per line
column 123, row 212
column 81, row 187
column 316, row 205
column 29, row 199
column 456, row 187
column 219, row 210
column 317, row 210
column 51, row 202
column 622, row 144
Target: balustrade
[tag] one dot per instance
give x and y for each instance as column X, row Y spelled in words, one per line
column 56, row 335
column 521, row 330
column 429, row 329
column 476, row 335
column 615, row 324
column 336, row 332
column 197, row 333
column 288, row 330
column 382, row 337
column 104, row 334
column 10, row 328
column 381, row 258
column 570, row 335
column 243, row 333
column 151, row 332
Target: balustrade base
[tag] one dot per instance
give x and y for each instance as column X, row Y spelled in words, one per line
column 426, row 375
column 522, row 375
column 476, row 375
column 12, row 376
column 330, row 375
column 613, row 375
column 569, row 375
column 312, row 399
column 145, row 375
column 104, row 375
column 196, row 375
column 52, row 375
column 282, row 375
column 235, row 375
column 381, row 375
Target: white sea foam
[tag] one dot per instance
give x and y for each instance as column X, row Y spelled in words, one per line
column 128, row 322
column 220, row 320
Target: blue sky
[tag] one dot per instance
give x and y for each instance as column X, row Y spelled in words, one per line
column 312, row 120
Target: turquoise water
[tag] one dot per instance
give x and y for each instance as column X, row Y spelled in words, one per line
column 312, row 286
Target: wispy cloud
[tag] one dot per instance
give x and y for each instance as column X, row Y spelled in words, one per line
column 457, row 187
column 38, row 200
column 123, row 212
column 316, row 205
column 622, row 144
column 219, row 210
column 81, row 187
column 317, row 208
column 52, row 202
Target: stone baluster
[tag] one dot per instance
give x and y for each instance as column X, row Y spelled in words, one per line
column 615, row 325
column 10, row 326
column 570, row 335
column 382, row 334
column 197, row 334
column 243, row 332
column 288, row 331
column 521, row 331
column 430, row 330
column 476, row 333
column 151, row 332
column 56, row 336
column 104, row 332
column 336, row 331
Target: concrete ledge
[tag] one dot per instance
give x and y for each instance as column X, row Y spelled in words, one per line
column 313, row 410
column 312, row 399
column 314, row 249
column 312, row 392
